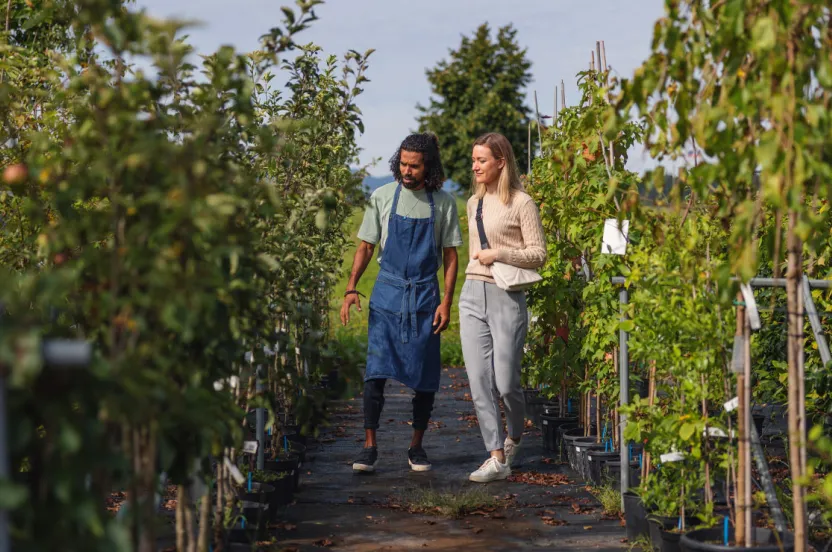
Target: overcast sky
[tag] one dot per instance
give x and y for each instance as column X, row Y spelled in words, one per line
column 411, row 36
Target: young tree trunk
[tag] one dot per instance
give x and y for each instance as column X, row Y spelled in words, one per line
column 797, row 410
column 615, row 436
column 189, row 523
column 219, row 512
column 204, row 521
column 180, row 519
column 145, row 465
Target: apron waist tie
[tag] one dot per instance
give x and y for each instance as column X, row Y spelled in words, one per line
column 408, row 303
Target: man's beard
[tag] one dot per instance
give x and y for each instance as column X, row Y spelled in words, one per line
column 411, row 185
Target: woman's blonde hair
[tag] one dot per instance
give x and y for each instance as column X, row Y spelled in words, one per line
column 509, row 177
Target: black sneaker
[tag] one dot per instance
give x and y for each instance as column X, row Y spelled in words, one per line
column 367, row 460
column 418, row 459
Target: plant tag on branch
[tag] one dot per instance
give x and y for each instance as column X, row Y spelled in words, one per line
column 234, row 471
column 671, row 457
column 250, row 447
column 615, row 237
column 715, row 432
column 732, row 404
column 750, row 307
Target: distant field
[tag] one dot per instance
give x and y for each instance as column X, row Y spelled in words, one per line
column 356, row 332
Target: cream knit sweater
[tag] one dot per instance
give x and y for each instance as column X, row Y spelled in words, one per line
column 514, row 230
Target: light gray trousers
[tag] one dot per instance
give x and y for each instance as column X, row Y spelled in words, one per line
column 493, row 324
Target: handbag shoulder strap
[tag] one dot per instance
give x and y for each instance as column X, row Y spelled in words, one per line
column 480, row 228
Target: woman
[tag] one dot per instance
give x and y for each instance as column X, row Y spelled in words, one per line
column 494, row 322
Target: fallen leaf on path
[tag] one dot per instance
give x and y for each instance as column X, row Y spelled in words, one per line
column 478, row 530
column 549, row 520
column 587, row 527
column 536, row 478
column 324, row 542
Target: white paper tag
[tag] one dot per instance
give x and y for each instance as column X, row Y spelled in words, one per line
column 614, row 241
column 714, row 432
column 250, row 447
column 732, row 404
column 672, row 457
column 545, row 422
column 234, row 471
column 249, row 357
column 750, row 307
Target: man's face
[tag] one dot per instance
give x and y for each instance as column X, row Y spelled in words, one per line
column 412, row 167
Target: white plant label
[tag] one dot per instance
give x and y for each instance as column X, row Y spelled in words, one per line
column 672, row 457
column 750, row 307
column 250, row 447
column 615, row 237
column 714, row 432
column 732, row 404
column 234, row 471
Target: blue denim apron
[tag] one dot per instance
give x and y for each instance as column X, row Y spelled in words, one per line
column 401, row 343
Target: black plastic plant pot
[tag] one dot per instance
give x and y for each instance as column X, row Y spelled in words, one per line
column 286, row 463
column 611, row 474
column 582, row 451
column 569, row 436
column 670, row 540
column 663, row 524
column 597, row 459
column 635, row 516
column 713, row 540
column 238, row 535
column 551, row 409
column 550, row 426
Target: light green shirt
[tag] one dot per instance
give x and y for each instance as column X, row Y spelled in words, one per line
column 414, row 205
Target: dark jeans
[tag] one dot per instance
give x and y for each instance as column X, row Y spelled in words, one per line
column 374, row 403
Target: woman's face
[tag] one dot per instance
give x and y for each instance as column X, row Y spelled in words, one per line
column 486, row 167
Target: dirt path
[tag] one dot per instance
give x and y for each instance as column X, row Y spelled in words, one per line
column 342, row 511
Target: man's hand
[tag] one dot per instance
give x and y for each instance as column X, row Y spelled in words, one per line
column 486, row 256
column 349, row 301
column 442, row 318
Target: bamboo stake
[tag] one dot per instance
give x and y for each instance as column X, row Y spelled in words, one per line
column 604, row 54
column 709, row 495
column 651, row 394
column 615, row 436
column 598, row 55
column 555, row 117
column 598, row 414
column 592, row 61
column 562, row 95
column 529, row 169
column 537, row 113
column 742, row 430
column 746, row 435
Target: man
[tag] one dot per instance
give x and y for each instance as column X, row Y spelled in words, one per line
column 416, row 227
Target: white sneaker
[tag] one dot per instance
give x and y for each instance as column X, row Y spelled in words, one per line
column 511, row 448
column 491, row 470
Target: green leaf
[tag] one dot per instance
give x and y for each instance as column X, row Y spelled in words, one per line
column 686, row 431
column 627, row 325
column 763, row 35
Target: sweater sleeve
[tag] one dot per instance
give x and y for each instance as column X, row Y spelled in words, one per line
column 533, row 255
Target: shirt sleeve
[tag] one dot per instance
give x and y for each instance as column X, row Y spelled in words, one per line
column 534, row 253
column 370, row 230
column 451, row 233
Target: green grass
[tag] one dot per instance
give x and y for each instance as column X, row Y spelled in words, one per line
column 609, row 498
column 356, row 332
column 453, row 504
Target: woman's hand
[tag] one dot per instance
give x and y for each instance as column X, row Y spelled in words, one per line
column 486, row 256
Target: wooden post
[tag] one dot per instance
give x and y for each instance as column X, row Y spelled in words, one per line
column 604, row 54
column 562, row 95
column 598, row 56
column 598, row 415
column 742, row 431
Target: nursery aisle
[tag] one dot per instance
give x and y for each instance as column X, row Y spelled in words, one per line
column 342, row 511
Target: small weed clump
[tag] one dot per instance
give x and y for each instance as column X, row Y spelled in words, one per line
column 609, row 498
column 450, row 504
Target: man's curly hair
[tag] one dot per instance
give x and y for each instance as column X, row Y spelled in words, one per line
column 427, row 144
